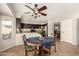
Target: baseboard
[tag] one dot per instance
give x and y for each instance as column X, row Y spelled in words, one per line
column 19, row 43
column 7, row 48
column 10, row 47
column 70, row 43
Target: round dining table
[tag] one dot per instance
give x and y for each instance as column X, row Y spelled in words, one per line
column 41, row 42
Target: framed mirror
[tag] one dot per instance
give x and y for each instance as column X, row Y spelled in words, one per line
column 6, row 29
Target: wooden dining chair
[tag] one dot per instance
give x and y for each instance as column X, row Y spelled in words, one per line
column 53, row 44
column 29, row 47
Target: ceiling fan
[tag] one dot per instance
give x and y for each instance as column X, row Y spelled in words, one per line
column 37, row 11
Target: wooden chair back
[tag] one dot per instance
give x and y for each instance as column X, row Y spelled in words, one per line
column 24, row 39
column 26, row 44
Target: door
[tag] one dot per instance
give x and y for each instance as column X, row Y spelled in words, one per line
column 66, row 31
column 57, row 30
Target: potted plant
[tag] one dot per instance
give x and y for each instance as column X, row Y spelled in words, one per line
column 42, row 32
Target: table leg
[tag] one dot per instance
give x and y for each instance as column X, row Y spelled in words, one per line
column 40, row 51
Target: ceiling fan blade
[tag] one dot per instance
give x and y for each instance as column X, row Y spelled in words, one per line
column 27, row 12
column 43, row 14
column 29, row 7
column 42, row 8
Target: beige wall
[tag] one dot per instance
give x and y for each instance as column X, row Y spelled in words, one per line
column 78, row 31
column 8, row 43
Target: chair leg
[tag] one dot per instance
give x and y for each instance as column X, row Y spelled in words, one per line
column 36, row 52
column 25, row 53
column 49, row 50
column 55, row 48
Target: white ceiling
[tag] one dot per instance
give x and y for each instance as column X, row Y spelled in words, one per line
column 4, row 9
column 20, row 8
column 55, row 11
column 62, row 11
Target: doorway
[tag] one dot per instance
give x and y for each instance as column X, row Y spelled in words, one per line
column 57, row 30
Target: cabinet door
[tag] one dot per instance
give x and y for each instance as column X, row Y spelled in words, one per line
column 66, row 31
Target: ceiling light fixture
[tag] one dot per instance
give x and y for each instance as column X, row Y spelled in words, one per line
column 37, row 12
